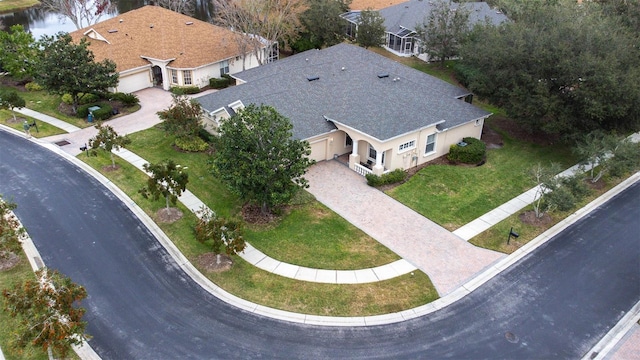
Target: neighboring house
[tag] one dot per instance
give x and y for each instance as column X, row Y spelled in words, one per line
column 153, row 46
column 348, row 100
column 400, row 22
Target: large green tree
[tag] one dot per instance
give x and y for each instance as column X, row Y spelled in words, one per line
column 442, row 32
column 562, row 69
column 322, row 23
column 182, row 118
column 18, row 49
column 371, row 29
column 258, row 158
column 65, row 67
column 48, row 308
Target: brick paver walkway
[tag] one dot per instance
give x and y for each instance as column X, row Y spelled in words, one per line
column 446, row 258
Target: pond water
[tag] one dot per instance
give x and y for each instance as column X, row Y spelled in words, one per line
column 41, row 22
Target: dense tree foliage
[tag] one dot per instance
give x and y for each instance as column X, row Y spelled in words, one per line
column 371, row 30
column 566, row 70
column 223, row 234
column 47, row 308
column 322, row 24
column 10, row 231
column 182, row 118
column 443, row 31
column 17, row 51
column 258, row 158
column 65, row 67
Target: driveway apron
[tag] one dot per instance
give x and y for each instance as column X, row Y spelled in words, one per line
column 446, row 258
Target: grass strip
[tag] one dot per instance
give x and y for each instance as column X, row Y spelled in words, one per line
column 253, row 284
column 44, row 129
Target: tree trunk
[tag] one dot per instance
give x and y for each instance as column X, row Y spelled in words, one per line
column 218, row 258
column 167, row 201
column 50, row 353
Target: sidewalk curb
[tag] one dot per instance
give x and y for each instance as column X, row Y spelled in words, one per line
column 602, row 349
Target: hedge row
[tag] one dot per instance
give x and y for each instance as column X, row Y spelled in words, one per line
column 395, row 176
column 105, row 111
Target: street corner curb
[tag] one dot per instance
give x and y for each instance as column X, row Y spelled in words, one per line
column 610, row 341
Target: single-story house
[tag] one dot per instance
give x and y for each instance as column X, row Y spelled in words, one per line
column 153, row 46
column 348, row 100
column 401, row 20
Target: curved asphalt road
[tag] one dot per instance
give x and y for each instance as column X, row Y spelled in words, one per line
column 557, row 302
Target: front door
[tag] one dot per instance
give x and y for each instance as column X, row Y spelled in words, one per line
column 157, row 76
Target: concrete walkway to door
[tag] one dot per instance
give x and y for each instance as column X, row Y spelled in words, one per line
column 449, row 260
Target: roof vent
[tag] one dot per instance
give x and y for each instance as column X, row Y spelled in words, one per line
column 189, row 23
column 112, row 31
column 121, row 20
column 151, row 26
column 383, row 75
column 313, row 78
column 343, row 68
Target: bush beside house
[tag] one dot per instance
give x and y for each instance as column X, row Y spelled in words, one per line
column 470, row 151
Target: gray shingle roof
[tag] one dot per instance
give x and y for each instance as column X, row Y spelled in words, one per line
column 350, row 91
column 408, row 14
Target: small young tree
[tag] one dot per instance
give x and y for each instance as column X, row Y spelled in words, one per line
column 545, row 178
column 9, row 99
column 442, row 32
column 371, row 29
column 595, row 151
column 224, row 234
column 46, row 308
column 108, row 139
column 258, row 158
column 167, row 179
column 65, row 67
column 182, row 118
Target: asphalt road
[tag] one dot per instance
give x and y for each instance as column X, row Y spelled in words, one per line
column 556, row 303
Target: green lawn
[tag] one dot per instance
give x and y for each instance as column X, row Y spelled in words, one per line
column 327, row 239
column 44, row 129
column 455, row 195
column 15, row 5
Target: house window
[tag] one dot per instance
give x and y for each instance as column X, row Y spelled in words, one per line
column 186, row 77
column 373, row 154
column 224, row 67
column 407, row 146
column 174, row 76
column 431, row 144
column 348, row 141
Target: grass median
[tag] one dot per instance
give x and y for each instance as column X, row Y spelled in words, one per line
column 326, row 239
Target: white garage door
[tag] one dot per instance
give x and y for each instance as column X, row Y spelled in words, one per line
column 319, row 150
column 135, row 82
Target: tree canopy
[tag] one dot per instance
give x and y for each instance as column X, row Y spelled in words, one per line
column 182, row 118
column 371, row 30
column 65, row 67
column 10, row 99
column 258, row 158
column 46, row 307
column 566, row 69
column 322, row 23
column 18, row 51
column 108, row 139
column 167, row 179
column 442, row 32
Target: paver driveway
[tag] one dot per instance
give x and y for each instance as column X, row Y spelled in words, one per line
column 447, row 259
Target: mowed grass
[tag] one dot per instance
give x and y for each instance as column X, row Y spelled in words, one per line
column 14, row 5
column 495, row 238
column 48, row 104
column 250, row 283
column 44, row 129
column 455, row 195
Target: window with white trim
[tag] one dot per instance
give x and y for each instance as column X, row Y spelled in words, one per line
column 407, row 146
column 373, row 153
column 431, row 144
column 224, row 67
column 174, row 76
column 186, row 77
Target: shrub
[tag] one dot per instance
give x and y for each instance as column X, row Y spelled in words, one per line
column 32, row 86
column 191, row 144
column 576, row 186
column 127, row 99
column 561, row 198
column 103, row 113
column 472, row 153
column 395, row 176
column 82, row 98
column 232, row 81
column 216, row 83
column 183, row 90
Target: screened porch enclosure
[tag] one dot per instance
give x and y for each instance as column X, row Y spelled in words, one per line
column 401, row 42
